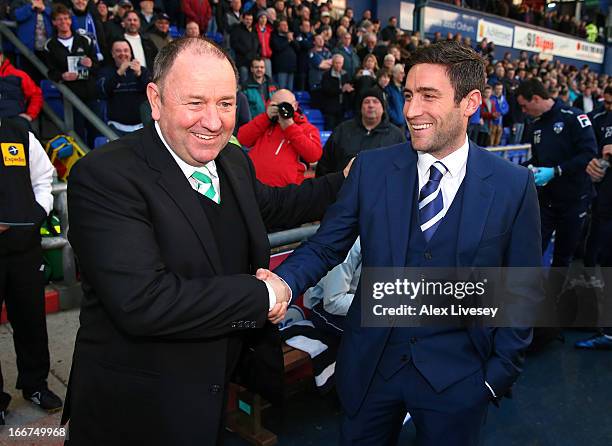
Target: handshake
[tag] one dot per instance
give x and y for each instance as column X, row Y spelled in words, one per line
column 281, row 292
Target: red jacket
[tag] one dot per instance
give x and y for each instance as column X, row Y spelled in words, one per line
column 31, row 92
column 198, row 11
column 264, row 40
column 279, row 155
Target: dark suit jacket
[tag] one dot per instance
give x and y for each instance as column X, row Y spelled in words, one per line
column 151, row 353
column 500, row 226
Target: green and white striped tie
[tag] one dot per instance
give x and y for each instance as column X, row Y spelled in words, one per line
column 204, row 186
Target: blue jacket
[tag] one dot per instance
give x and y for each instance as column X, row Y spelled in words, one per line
column 26, row 23
column 499, row 226
column 502, row 107
column 395, row 106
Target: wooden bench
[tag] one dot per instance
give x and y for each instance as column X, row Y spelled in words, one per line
column 245, row 408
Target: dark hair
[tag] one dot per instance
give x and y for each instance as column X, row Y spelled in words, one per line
column 464, row 67
column 131, row 11
column 608, row 90
column 531, row 87
column 201, row 45
column 59, row 9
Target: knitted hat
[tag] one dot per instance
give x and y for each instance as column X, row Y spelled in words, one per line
column 373, row 92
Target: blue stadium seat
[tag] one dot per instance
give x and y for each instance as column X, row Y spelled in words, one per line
column 325, row 134
column 53, row 97
column 314, row 116
column 215, row 37
column 303, row 97
column 100, row 141
column 175, row 32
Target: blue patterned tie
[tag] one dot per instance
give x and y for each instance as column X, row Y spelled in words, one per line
column 431, row 203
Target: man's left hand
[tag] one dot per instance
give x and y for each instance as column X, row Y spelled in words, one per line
column 544, row 175
column 86, row 62
column 284, row 123
column 281, row 291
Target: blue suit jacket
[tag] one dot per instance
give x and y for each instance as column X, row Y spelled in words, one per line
column 500, row 226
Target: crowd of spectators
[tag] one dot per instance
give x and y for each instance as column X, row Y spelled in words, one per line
column 104, row 50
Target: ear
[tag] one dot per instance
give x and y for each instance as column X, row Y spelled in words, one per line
column 154, row 97
column 474, row 100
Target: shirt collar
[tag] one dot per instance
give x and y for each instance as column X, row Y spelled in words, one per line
column 209, row 168
column 453, row 162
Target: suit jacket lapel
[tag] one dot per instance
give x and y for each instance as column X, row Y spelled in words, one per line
column 175, row 184
column 478, row 197
column 400, row 200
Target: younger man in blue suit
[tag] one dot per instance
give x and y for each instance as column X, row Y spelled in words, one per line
column 438, row 201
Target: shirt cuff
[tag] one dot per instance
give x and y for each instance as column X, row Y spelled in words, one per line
column 290, row 290
column 271, row 295
column 491, row 390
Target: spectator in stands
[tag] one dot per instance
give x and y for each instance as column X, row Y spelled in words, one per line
column 198, row 11
column 279, row 146
column 258, row 6
column 395, row 95
column 33, row 29
column 587, row 100
column 192, row 29
column 501, row 104
column 498, row 76
column 147, row 15
column 388, row 63
column 243, row 114
column 123, row 86
column 389, row 32
column 304, row 39
column 337, row 93
column 382, row 81
column 369, row 129
column 230, row 17
column 284, row 55
column 259, row 87
column 331, row 298
column 85, row 20
column 263, row 31
column 20, row 98
column 489, row 114
column 320, row 62
column 245, row 44
column 365, row 78
column 303, row 14
column 113, row 29
column 143, row 48
column 71, row 59
column 160, row 33
column 351, row 59
column 26, row 175
column 369, row 44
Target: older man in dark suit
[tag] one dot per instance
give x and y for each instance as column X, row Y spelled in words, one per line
column 169, row 226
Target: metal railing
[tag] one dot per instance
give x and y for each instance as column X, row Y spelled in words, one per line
column 71, row 101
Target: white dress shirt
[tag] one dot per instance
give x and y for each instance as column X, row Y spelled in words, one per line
column 209, row 169
column 456, row 164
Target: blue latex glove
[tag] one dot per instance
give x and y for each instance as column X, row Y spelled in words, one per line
column 544, row 175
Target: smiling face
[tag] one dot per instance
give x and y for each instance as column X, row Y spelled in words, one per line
column 196, row 107
column 121, row 52
column 62, row 23
column 437, row 124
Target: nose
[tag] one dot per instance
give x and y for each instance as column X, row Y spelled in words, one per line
column 210, row 119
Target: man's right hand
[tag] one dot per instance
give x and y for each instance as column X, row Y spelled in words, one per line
column 3, row 228
column 272, row 111
column 281, row 292
column 595, row 171
column 123, row 68
column 69, row 76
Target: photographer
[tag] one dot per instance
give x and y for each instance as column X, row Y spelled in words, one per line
column 281, row 141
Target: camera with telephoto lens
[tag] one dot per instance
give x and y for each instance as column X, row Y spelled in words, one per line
column 285, row 110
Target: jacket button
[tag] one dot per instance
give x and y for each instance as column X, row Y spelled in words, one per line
column 413, row 340
column 428, row 255
column 214, row 389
